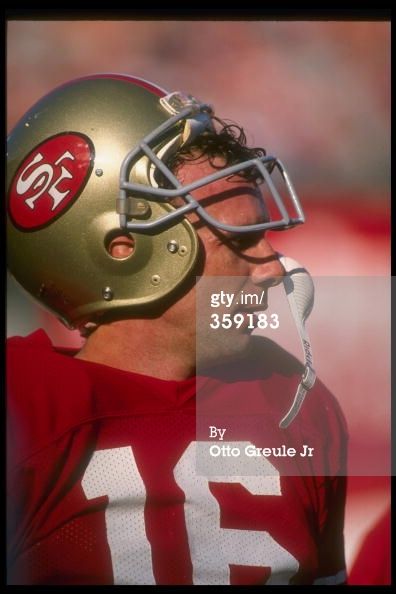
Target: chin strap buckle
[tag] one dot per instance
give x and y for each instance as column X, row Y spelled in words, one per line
column 308, row 378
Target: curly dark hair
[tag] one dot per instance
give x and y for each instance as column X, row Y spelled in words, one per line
column 227, row 141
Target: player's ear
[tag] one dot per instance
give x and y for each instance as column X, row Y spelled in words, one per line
column 121, row 246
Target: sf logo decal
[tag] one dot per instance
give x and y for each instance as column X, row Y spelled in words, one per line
column 49, row 179
column 42, row 177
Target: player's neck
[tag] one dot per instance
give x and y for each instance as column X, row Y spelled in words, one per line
column 141, row 347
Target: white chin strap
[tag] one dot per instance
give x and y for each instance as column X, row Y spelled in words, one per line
column 299, row 289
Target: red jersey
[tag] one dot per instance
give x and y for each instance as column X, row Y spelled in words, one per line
column 372, row 565
column 104, row 486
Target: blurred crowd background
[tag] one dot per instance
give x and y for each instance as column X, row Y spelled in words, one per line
column 317, row 95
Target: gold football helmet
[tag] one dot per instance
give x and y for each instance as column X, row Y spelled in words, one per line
column 83, row 168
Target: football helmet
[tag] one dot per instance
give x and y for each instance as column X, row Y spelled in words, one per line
column 82, row 169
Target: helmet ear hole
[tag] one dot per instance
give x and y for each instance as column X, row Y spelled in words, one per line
column 120, row 245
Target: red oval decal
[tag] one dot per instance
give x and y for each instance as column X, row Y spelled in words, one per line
column 49, row 179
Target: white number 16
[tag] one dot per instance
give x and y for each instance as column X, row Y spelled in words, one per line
column 114, row 473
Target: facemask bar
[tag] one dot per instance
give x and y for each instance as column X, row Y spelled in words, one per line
column 264, row 166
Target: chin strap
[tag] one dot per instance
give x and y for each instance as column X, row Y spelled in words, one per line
column 299, row 289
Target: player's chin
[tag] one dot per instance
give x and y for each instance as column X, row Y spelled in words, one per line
column 230, row 348
column 238, row 344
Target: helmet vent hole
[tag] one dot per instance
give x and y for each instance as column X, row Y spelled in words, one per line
column 120, row 246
